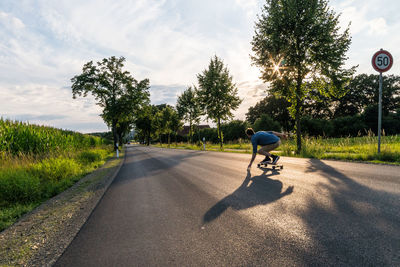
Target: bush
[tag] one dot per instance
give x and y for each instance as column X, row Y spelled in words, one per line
column 316, row 127
column 266, row 123
column 210, row 134
column 89, row 157
column 349, row 126
column 18, row 186
column 234, row 130
column 55, row 169
column 391, row 124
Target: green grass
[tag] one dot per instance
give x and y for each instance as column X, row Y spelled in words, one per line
column 25, row 182
column 38, row 162
column 350, row 148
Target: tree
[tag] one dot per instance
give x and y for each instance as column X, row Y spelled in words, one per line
column 115, row 90
column 235, row 130
column 189, row 109
column 265, row 122
column 166, row 121
column 144, row 122
column 176, row 124
column 363, row 92
column 274, row 106
column 297, row 41
column 217, row 94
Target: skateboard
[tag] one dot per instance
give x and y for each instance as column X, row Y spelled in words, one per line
column 273, row 166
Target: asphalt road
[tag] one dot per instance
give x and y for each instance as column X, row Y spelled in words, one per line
column 172, row 207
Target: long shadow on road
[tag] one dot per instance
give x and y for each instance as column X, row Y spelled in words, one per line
column 359, row 226
column 257, row 190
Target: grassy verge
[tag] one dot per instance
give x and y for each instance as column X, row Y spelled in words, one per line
column 40, row 237
column 351, row 148
column 26, row 181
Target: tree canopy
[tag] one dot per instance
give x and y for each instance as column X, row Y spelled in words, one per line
column 115, row 90
column 297, row 41
column 217, row 93
column 188, row 108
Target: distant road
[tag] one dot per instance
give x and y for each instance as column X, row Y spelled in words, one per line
column 172, row 207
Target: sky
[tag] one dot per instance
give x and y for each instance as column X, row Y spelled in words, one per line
column 44, row 43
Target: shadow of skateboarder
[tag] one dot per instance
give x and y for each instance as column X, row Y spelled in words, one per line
column 257, row 190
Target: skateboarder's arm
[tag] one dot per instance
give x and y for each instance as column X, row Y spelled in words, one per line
column 281, row 135
column 252, row 159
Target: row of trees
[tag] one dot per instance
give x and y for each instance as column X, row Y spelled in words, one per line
column 125, row 101
column 154, row 121
column 215, row 98
column 353, row 114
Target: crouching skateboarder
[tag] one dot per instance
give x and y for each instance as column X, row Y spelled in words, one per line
column 268, row 142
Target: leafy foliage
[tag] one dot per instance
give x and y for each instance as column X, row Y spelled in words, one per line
column 297, row 41
column 234, row 130
column 189, row 109
column 274, row 106
column 217, row 93
column 115, row 90
column 266, row 123
column 19, row 137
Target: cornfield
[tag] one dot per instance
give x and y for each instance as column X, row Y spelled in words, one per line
column 23, row 138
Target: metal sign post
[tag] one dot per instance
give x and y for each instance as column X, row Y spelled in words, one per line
column 381, row 61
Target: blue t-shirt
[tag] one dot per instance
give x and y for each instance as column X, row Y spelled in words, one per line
column 263, row 138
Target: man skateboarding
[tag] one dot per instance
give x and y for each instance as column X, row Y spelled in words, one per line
column 268, row 141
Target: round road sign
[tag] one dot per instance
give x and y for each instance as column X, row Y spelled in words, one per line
column 382, row 61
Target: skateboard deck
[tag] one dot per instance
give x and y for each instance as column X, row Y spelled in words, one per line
column 273, row 166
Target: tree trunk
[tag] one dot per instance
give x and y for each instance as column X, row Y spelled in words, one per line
column 298, row 114
column 169, row 139
column 115, row 134
column 220, row 135
column 198, row 132
column 190, row 132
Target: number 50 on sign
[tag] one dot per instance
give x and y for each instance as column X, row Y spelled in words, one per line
column 382, row 61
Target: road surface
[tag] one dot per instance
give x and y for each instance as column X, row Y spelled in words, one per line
column 172, row 207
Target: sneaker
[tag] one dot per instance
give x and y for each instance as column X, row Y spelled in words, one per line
column 275, row 159
column 266, row 160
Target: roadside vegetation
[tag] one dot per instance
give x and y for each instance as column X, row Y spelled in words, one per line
column 39, row 162
column 349, row 148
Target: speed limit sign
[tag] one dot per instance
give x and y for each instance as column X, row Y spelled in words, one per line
column 382, row 61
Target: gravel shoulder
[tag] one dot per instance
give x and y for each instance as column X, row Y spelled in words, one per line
column 41, row 236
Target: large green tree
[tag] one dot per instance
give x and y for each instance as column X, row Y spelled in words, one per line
column 297, row 41
column 115, row 90
column 217, row 94
column 189, row 109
